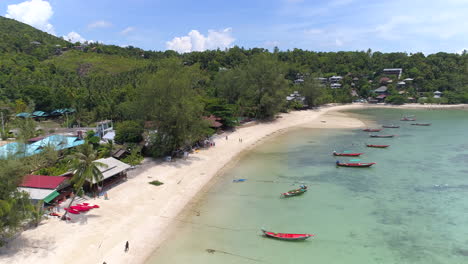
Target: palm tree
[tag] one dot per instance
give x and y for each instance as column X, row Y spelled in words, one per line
column 85, row 169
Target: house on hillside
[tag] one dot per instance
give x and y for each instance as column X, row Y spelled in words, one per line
column 46, row 188
column 299, row 81
column 381, row 93
column 214, row 121
column 437, row 94
column 296, row 97
column 335, row 85
column 103, row 127
column 335, row 79
column 385, row 80
column 322, row 80
column 393, row 71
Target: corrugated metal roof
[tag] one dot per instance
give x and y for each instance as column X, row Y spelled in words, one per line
column 41, row 181
column 59, row 142
column 36, row 193
column 114, row 167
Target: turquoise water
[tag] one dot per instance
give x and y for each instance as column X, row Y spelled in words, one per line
column 392, row 212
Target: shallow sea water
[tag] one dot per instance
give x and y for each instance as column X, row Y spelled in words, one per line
column 411, row 207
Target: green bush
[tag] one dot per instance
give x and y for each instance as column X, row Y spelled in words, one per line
column 156, row 183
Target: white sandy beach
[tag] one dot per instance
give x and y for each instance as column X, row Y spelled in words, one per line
column 141, row 213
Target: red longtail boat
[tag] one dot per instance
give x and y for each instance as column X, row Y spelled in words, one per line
column 421, row 124
column 408, row 119
column 381, row 136
column 286, row 236
column 372, row 130
column 347, row 154
column 377, row 146
column 357, row 165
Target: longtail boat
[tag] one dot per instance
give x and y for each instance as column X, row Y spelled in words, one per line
column 377, row 146
column 372, row 130
column 382, row 136
column 390, row 126
column 408, row 119
column 347, row 154
column 286, row 236
column 421, row 124
column 359, row 165
column 295, row 192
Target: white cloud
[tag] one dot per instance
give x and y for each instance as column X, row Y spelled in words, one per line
column 127, row 30
column 34, row 12
column 74, row 37
column 195, row 41
column 100, row 24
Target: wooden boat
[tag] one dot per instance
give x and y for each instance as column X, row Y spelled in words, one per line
column 358, row 165
column 295, row 192
column 239, row 180
column 347, row 154
column 372, row 130
column 420, row 124
column 377, row 146
column 286, row 236
column 390, row 126
column 408, row 119
column 382, row 136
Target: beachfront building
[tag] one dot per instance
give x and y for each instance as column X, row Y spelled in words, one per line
column 393, row 71
column 381, row 93
column 114, row 171
column 103, row 127
column 296, row 97
column 36, row 146
column 46, row 188
column 437, row 94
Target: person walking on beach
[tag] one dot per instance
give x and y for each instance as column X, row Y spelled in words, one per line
column 226, row 137
column 127, row 247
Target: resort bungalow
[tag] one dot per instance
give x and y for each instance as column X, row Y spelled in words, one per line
column 36, row 146
column 335, row 79
column 46, row 188
column 335, row 85
column 113, row 172
column 299, row 81
column 437, row 94
column 296, row 97
column 213, row 121
column 393, row 71
column 322, row 80
column 381, row 93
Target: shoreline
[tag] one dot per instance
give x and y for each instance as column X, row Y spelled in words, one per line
column 143, row 214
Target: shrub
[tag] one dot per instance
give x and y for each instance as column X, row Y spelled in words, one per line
column 156, row 183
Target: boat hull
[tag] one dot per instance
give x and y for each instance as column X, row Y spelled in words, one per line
column 391, row 126
column 419, row 124
column 347, row 154
column 381, row 136
column 286, row 236
column 378, row 146
column 371, row 130
column 355, row 165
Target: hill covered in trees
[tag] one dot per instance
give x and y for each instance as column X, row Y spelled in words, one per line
column 39, row 71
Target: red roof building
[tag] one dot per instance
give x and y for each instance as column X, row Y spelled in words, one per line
column 42, row 182
column 213, row 121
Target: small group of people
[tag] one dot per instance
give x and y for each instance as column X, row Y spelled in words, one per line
column 240, row 140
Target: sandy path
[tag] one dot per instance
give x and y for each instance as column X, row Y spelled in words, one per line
column 139, row 212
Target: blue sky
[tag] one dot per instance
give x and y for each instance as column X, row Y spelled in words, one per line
column 399, row 25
